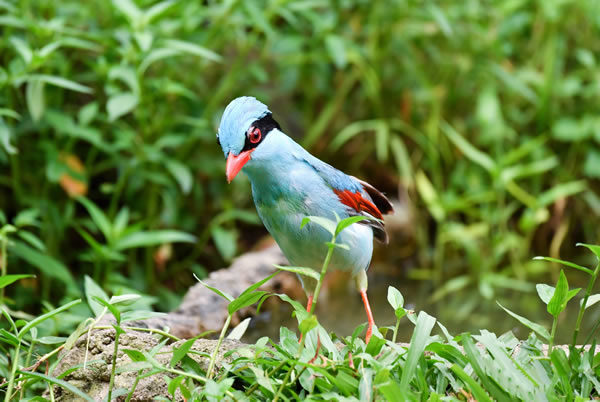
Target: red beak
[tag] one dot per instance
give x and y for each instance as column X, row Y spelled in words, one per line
column 236, row 163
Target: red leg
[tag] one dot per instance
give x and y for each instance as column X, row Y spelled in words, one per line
column 308, row 308
column 309, row 303
column 363, row 293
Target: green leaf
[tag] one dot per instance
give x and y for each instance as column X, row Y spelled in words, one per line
column 537, row 328
column 120, row 104
column 136, row 355
column 593, row 299
column 308, row 323
column 474, row 154
column 558, row 302
column 224, row 295
column 225, row 240
column 239, row 330
column 153, row 238
column 560, row 362
column 325, row 223
column 418, row 342
column 8, row 279
column 61, row 383
column 59, row 82
column 545, row 292
column 337, row 50
column 35, row 99
column 478, row 392
column 192, row 48
column 99, row 218
column 182, row 175
column 300, row 271
column 38, row 320
column 5, row 134
column 566, row 263
column 594, row 249
column 126, row 299
column 48, row 265
column 344, row 223
column 180, row 352
column 92, row 290
column 245, row 300
column 395, row 298
column 113, row 309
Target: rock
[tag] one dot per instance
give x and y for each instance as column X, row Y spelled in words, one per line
column 94, row 379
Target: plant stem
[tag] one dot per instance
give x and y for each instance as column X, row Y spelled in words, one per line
column 114, row 364
column 213, row 358
column 588, row 292
column 134, row 386
column 554, row 323
column 13, row 373
column 396, row 330
column 3, row 262
column 323, row 272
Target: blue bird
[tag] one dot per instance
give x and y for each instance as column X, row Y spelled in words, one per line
column 288, row 184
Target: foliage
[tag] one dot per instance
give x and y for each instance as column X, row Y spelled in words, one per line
column 325, row 366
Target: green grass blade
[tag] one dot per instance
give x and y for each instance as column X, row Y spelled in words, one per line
column 44, row 317
column 64, row 384
column 418, row 342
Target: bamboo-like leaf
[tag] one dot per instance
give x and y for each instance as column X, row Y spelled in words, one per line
column 38, row 320
column 537, row 328
column 61, row 383
column 299, row 270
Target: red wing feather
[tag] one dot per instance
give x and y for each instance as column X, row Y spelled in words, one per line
column 358, row 203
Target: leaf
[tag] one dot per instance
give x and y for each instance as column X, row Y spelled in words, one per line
column 308, row 323
column 420, row 339
column 126, row 299
column 594, row 249
column 87, row 113
column 99, row 218
column 5, row 138
column 224, row 295
column 537, row 328
column 8, row 279
column 22, row 48
column 92, row 290
column 48, row 265
column 395, row 298
column 474, row 154
column 344, row 223
column 558, row 301
column 153, row 238
column 121, row 104
column 59, row 82
column 64, row 384
column 135, row 355
column 225, row 240
column 545, row 292
column 325, row 223
column 566, row 263
column 192, row 48
column 245, row 300
column 113, row 310
column 239, row 330
column 478, row 392
column 129, row 9
column 593, row 299
column 337, row 50
column 35, row 99
column 300, row 271
column 180, row 352
column 182, row 175
column 38, row 320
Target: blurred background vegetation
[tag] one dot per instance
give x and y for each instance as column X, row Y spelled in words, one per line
column 479, row 117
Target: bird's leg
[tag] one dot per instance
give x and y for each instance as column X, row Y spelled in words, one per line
column 363, row 293
column 309, row 303
column 362, row 284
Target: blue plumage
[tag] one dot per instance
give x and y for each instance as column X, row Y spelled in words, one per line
column 288, row 184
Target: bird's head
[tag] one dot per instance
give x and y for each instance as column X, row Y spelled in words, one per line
column 245, row 124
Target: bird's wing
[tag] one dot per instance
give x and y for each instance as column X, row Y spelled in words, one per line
column 358, row 196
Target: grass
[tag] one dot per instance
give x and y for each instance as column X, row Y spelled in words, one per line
column 480, row 117
column 323, row 365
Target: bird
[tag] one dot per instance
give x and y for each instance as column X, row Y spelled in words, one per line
column 289, row 184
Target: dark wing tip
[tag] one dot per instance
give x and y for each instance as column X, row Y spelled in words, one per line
column 381, row 201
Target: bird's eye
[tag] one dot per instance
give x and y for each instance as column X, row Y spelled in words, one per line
column 254, row 135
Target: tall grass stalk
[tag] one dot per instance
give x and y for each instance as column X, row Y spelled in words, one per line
column 588, row 292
